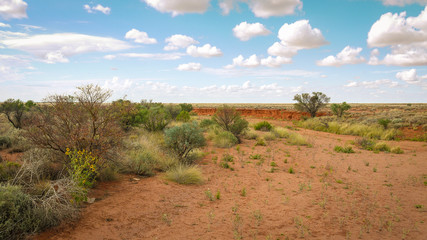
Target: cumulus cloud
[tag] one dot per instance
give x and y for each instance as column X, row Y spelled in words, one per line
column 226, row 6
column 4, row 25
column 279, row 49
column 402, row 3
column 58, row 47
column 13, row 9
column 269, row 8
column 177, row 7
column 373, row 60
column 155, row 56
column 373, row 84
column 301, row 35
column 245, row 31
column 11, row 67
column 118, row 85
column 178, row 41
column 348, row 55
column 407, row 38
column 99, row 8
column 411, row 77
column 254, row 61
column 205, row 51
column 140, row 37
column 189, row 67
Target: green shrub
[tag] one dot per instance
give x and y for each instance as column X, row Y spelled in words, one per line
column 270, row 136
column 143, row 162
column 384, row 122
column 5, row 142
column 396, row 150
column 173, row 110
column 226, row 157
column 183, row 116
column 17, row 215
column 280, row 132
column 8, row 170
column 366, row 143
column 127, row 112
column 186, row 107
column 263, row 126
column 183, row 139
column 382, row 147
column 224, row 139
column 83, row 167
column 230, row 120
column 155, row 118
column 340, row 149
column 260, row 141
column 339, row 109
column 297, row 139
column 250, row 134
column 205, row 123
column 184, row 174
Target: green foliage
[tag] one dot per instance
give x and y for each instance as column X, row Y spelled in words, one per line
column 396, row 150
column 8, row 170
column 128, row 113
column 297, row 139
column 382, row 147
column 186, row 107
column 366, row 143
column 15, row 110
column 340, row 149
column 339, row 109
column 224, row 139
column 280, row 132
column 384, row 122
column 263, row 126
column 230, row 120
column 17, row 215
column 205, row 123
column 5, row 142
column 184, row 174
column 260, row 141
column 83, row 169
column 173, row 110
column 310, row 103
column 155, row 118
column 183, row 139
column 183, row 116
column 250, row 134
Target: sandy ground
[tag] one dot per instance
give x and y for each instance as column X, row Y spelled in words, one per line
column 364, row 195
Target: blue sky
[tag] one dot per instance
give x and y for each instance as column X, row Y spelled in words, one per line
column 221, row 51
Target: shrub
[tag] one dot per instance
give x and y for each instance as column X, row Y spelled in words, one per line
column 384, row 122
column 15, row 111
column 382, row 147
column 224, row 139
column 5, row 142
column 396, row 150
column 183, row 116
column 339, row 109
column 297, row 139
column 8, row 170
column 366, row 143
column 186, row 107
column 184, row 174
column 83, row 167
column 17, row 216
column 155, row 118
column 173, row 109
column 310, row 103
column 127, row 112
column 143, row 162
column 205, row 123
column 340, row 149
column 280, row 132
column 263, row 126
column 183, row 139
column 270, row 136
column 260, row 141
column 250, row 134
column 229, row 120
column 81, row 122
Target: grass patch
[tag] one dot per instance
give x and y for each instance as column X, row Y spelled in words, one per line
column 263, row 126
column 340, row 149
column 183, row 174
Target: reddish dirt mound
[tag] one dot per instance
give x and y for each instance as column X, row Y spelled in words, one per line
column 261, row 113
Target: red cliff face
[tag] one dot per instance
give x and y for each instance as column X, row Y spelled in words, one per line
column 260, row 113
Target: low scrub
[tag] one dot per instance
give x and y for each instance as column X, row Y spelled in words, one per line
column 340, row 149
column 224, row 139
column 263, row 126
column 297, row 139
column 184, row 174
column 250, row 135
column 280, row 132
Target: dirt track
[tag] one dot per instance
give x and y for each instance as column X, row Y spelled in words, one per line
column 330, row 196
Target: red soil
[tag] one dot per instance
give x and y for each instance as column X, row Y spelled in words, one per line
column 364, row 195
column 261, row 113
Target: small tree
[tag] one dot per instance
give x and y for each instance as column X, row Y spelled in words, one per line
column 310, row 103
column 128, row 113
column 183, row 139
column 230, row 120
column 339, row 109
column 155, row 118
column 186, row 107
column 15, row 111
column 183, row 116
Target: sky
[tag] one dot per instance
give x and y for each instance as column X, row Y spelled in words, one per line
column 216, row 51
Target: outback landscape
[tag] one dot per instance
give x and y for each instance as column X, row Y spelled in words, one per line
column 175, row 172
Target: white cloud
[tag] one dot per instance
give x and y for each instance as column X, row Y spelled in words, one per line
column 407, row 38
column 13, row 9
column 411, row 77
column 178, row 41
column 301, row 35
column 254, row 61
column 373, row 84
column 99, row 8
column 402, row 3
column 373, row 60
column 59, row 46
column 245, row 31
column 118, row 85
column 4, row 25
column 278, row 49
column 269, row 8
column 140, row 37
column 11, row 67
column 226, row 6
column 347, row 56
column 177, row 7
column 205, row 51
column 156, row 56
column 189, row 67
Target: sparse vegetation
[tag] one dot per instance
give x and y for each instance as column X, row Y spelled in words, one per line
column 340, row 149
column 310, row 103
column 184, row 174
column 263, row 126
